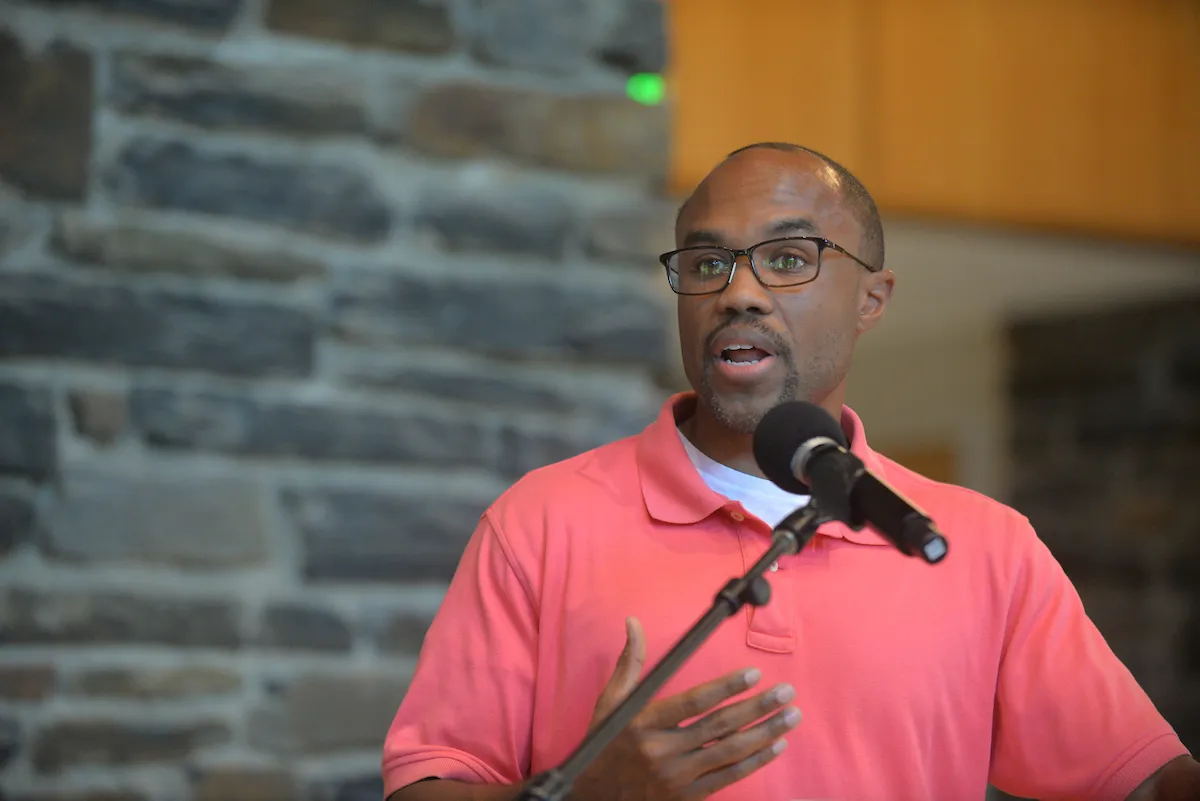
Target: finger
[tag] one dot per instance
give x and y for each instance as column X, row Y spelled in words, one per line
column 695, row 702
column 735, row 716
column 719, row 779
column 743, row 744
column 628, row 670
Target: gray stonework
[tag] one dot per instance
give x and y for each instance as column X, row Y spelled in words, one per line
column 290, row 290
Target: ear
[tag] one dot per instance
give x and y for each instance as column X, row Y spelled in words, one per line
column 875, row 290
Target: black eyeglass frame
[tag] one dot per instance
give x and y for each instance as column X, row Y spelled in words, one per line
column 823, row 244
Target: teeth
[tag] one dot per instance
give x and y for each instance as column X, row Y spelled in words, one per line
column 739, row 347
column 753, row 361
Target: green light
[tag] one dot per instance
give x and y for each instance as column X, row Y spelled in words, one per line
column 646, row 88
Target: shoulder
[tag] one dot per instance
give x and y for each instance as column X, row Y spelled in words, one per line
column 965, row 512
column 996, row 555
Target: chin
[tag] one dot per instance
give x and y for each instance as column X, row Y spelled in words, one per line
column 741, row 413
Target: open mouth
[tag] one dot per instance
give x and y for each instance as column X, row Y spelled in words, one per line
column 746, row 355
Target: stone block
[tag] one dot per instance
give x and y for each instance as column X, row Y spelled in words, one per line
column 145, row 684
column 322, row 199
column 152, row 327
column 27, row 682
column 351, row 535
column 403, row 632
column 98, row 415
column 496, row 217
column 638, row 40
column 325, row 714
column 46, row 138
column 521, row 316
column 82, row 795
column 205, row 16
column 634, row 234
column 366, row 788
column 247, row 425
column 18, row 518
column 27, row 428
column 237, row 783
column 493, row 383
column 608, row 395
column 295, row 100
column 189, row 521
column 137, row 246
column 21, row 222
column 29, row 616
column 522, row 450
column 593, row 133
column 550, row 36
column 10, row 740
column 78, row 743
column 303, row 628
column 414, row 26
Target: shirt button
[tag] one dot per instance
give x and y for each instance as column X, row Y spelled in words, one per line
column 738, row 516
column 774, row 567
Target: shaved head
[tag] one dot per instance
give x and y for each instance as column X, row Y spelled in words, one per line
column 856, row 197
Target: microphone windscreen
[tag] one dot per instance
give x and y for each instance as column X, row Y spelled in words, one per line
column 781, row 433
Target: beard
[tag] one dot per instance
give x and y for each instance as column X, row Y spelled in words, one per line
column 743, row 416
column 824, row 368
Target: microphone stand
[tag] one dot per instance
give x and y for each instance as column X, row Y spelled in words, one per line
column 788, row 538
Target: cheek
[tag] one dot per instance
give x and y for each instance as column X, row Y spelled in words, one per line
column 689, row 327
column 815, row 321
column 691, row 341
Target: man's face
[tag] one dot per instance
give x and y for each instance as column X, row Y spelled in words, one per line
column 749, row 348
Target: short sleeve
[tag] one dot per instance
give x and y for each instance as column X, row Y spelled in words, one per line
column 467, row 713
column 1071, row 720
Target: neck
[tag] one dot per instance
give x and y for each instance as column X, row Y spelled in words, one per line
column 719, row 443
column 732, row 448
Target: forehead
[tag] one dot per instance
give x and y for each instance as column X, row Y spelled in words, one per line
column 746, row 195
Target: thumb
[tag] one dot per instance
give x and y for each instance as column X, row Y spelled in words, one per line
column 627, row 672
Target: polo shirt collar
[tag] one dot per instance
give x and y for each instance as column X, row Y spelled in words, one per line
column 675, row 492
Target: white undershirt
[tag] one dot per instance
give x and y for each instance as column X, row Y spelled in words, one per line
column 759, row 496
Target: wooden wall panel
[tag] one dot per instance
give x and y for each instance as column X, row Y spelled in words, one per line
column 1183, row 118
column 764, row 70
column 1076, row 115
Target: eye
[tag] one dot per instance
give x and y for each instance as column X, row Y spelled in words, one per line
column 790, row 257
column 787, row 262
column 707, row 265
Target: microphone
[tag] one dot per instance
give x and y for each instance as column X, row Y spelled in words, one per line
column 803, row 450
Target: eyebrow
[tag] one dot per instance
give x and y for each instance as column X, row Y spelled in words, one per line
column 793, row 225
column 701, row 237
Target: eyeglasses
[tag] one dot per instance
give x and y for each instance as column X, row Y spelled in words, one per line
column 776, row 263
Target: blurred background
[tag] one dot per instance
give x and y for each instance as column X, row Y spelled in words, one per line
column 291, row 289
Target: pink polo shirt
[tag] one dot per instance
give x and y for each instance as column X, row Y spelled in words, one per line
column 916, row 681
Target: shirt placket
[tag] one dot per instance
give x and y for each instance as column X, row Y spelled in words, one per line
column 770, row 628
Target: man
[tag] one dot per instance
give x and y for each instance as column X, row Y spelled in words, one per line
column 915, row 682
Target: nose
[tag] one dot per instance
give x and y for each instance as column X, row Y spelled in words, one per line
column 745, row 294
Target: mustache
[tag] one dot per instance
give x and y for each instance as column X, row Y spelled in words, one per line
column 746, row 321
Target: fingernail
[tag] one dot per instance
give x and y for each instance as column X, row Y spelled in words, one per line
column 779, row 746
column 752, row 676
column 783, row 693
column 791, row 717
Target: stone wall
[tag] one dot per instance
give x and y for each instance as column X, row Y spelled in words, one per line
column 291, row 289
column 1106, row 411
